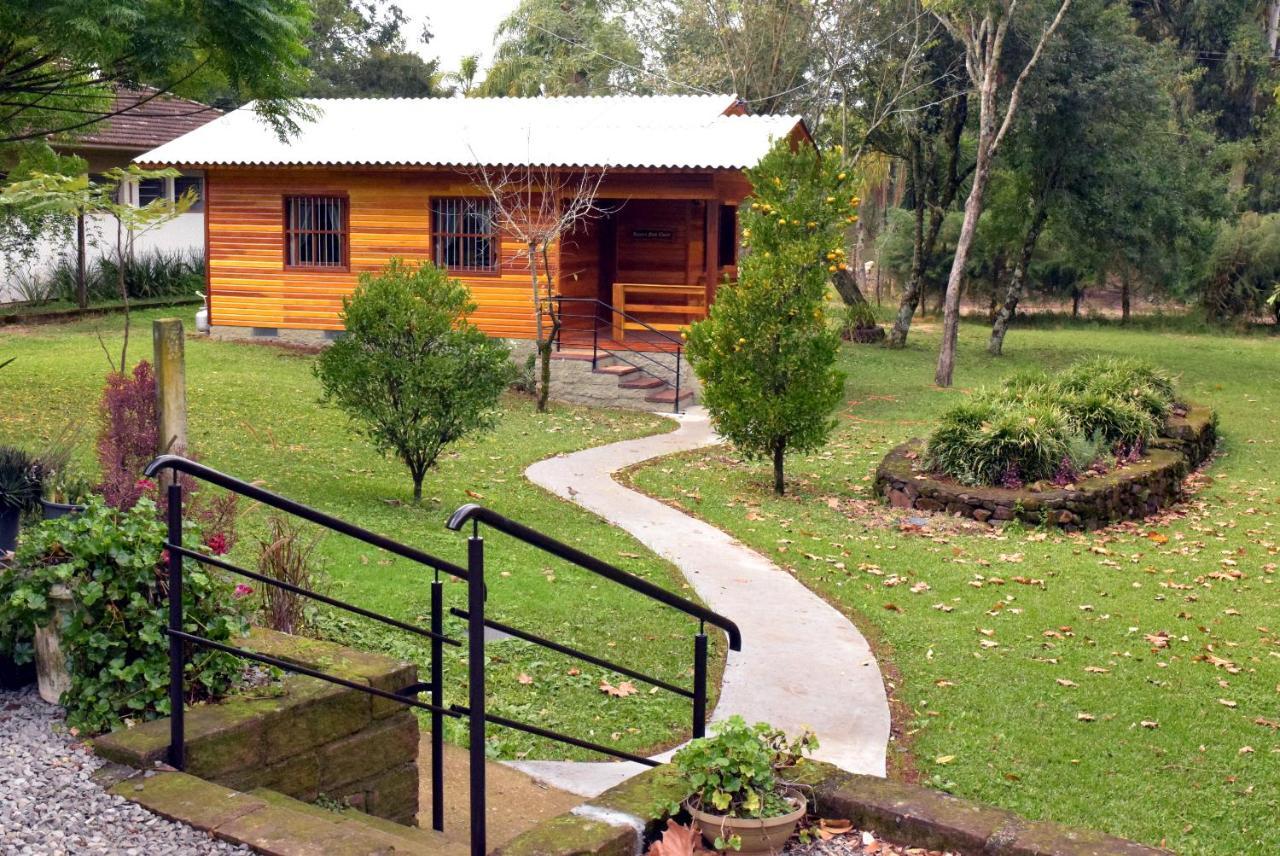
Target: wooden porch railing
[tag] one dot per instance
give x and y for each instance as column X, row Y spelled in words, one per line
column 662, row 307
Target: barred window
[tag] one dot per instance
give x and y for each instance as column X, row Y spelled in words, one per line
column 315, row 231
column 464, row 234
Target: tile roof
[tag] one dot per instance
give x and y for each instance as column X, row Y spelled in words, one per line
column 615, row 132
column 149, row 120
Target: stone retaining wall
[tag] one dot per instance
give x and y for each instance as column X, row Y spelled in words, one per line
column 304, row 739
column 1131, row 492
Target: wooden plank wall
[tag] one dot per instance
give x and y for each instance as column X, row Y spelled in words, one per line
column 389, row 215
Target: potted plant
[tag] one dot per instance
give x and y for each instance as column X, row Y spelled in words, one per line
column 734, row 785
column 65, row 492
column 19, row 493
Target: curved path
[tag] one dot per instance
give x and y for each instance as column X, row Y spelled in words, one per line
column 802, row 663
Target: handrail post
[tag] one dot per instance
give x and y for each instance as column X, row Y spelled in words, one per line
column 177, row 737
column 475, row 686
column 595, row 342
column 437, row 699
column 677, row 401
column 700, row 682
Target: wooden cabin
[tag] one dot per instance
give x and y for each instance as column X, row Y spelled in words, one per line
column 291, row 225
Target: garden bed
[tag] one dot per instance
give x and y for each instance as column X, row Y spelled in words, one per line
column 1129, row 492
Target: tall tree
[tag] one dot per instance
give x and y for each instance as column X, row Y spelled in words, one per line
column 359, row 48
column 565, row 47
column 60, row 61
column 983, row 27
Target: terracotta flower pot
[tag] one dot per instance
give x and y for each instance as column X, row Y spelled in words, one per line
column 759, row 835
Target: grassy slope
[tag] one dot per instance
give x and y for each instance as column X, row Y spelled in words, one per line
column 996, row 723
column 254, row 414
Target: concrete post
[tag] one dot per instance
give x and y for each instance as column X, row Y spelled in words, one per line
column 171, row 387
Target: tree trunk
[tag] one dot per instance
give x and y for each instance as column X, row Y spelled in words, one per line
column 915, row 282
column 1273, row 26
column 847, row 286
column 1000, row 326
column 779, row 482
column 417, row 485
column 1077, row 294
column 1124, row 296
column 955, row 282
column 82, row 285
column 544, row 353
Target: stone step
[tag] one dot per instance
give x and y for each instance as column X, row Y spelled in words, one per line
column 571, row 354
column 275, row 824
column 642, row 382
column 619, row 371
column 667, row 396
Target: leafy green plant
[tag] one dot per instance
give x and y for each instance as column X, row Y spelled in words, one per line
column 855, row 317
column 288, row 554
column 412, row 371
column 737, row 771
column 112, row 563
column 765, row 355
column 987, row 441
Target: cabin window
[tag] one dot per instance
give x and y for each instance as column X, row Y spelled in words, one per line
column 315, row 231
column 195, row 184
column 464, row 234
column 149, row 190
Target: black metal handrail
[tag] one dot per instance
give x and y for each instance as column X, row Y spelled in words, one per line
column 625, row 316
column 472, row 512
column 475, row 710
column 328, row 521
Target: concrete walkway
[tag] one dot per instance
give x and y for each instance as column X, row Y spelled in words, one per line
column 802, row 663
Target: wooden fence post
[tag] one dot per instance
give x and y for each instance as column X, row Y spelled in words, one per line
column 171, row 388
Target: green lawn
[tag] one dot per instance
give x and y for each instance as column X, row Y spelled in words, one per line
column 1047, row 699
column 254, row 414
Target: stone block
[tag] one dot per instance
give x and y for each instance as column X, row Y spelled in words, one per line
column 383, row 745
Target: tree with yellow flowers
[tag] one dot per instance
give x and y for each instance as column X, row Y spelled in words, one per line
column 765, row 354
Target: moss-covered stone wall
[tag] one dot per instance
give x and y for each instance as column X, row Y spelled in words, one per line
column 304, row 738
column 1130, row 492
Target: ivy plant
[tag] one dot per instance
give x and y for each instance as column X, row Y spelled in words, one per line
column 113, row 563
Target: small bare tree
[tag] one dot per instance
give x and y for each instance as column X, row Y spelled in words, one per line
column 981, row 27
column 540, row 206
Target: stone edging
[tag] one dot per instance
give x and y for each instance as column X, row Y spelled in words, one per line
column 1131, row 492
column 624, row 818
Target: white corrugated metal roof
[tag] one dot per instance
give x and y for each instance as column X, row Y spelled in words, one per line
column 672, row 131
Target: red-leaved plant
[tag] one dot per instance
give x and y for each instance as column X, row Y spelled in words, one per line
column 128, row 437
column 128, row 441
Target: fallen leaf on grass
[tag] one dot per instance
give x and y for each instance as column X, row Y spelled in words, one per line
column 944, row 759
column 1064, row 682
column 524, row 679
column 1096, row 670
column 829, row 828
column 622, row 690
column 1226, row 702
column 1149, row 723
column 1085, row 717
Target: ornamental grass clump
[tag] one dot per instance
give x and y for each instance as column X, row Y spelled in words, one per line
column 1037, row 427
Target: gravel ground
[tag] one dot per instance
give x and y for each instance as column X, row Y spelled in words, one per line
column 858, row 843
column 49, row 806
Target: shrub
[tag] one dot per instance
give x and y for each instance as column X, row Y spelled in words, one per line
column 855, row 317
column 1036, row 427
column 1244, row 266
column 764, row 355
column 111, row 560
column 985, row 442
column 412, row 372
